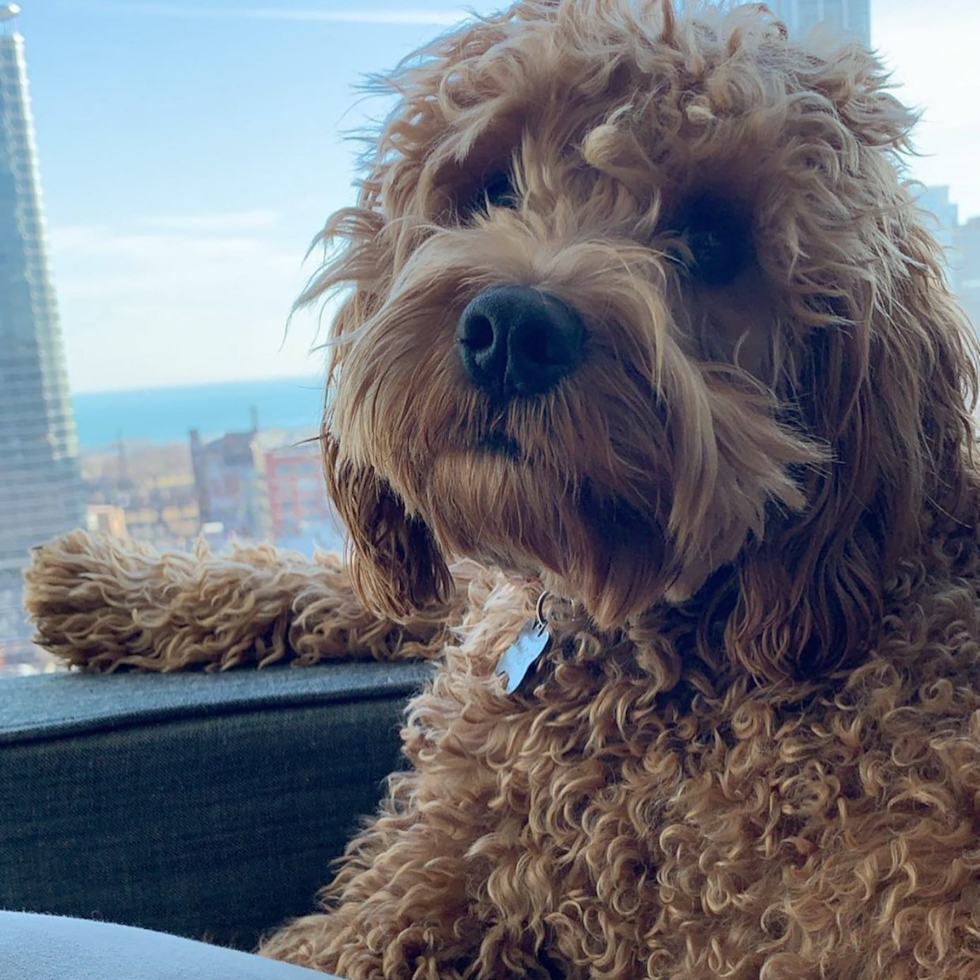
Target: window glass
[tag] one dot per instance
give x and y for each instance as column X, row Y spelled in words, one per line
column 163, row 168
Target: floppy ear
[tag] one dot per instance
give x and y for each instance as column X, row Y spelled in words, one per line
column 884, row 377
column 888, row 392
column 396, row 567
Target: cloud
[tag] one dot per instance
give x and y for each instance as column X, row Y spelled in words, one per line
column 87, row 243
column 232, row 221
column 420, row 16
column 144, row 305
column 936, row 69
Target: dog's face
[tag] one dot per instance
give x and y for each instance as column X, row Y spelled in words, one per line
column 637, row 298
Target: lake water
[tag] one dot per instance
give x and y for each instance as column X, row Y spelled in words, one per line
column 168, row 414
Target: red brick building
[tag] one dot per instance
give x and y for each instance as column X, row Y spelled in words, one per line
column 297, row 491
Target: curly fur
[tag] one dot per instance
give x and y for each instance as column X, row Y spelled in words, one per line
column 753, row 748
column 102, row 603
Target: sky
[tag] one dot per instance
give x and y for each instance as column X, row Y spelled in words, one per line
column 190, row 150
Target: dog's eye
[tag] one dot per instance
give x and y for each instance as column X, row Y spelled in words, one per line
column 496, row 190
column 717, row 239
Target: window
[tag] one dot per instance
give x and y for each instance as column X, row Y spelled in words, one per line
column 189, row 152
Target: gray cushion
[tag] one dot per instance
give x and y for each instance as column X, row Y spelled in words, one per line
column 205, row 805
column 46, row 947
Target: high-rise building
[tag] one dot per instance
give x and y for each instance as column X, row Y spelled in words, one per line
column 847, row 16
column 229, row 477
column 960, row 244
column 966, row 262
column 944, row 223
column 40, row 485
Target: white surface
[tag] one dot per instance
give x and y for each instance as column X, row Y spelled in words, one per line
column 47, row 947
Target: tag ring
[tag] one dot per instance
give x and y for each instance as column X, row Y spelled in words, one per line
column 539, row 610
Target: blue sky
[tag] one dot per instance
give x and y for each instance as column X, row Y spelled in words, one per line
column 190, row 150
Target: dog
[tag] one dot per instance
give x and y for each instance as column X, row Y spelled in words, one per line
column 642, row 321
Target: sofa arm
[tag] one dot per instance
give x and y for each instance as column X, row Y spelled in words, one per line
column 205, row 805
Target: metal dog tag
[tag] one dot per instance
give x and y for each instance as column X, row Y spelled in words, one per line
column 531, row 643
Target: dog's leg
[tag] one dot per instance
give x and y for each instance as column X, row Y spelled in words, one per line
column 399, row 909
column 422, row 890
column 99, row 603
column 411, row 898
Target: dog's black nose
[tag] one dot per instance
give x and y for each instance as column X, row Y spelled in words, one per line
column 519, row 341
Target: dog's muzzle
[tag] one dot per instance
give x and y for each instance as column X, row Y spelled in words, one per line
column 514, row 340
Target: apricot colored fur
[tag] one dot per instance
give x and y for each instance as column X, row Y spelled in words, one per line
column 753, row 749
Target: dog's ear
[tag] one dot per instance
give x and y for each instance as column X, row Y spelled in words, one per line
column 884, row 376
column 889, row 390
column 396, row 568
column 395, row 565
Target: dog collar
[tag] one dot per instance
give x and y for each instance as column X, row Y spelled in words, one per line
column 531, row 643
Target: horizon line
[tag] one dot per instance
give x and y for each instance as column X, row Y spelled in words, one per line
column 305, row 379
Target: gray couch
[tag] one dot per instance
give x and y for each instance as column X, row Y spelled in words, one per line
column 204, row 805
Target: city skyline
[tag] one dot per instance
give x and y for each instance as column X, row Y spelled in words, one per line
column 40, row 484
column 197, row 148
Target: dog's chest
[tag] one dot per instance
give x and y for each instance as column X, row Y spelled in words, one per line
column 705, row 840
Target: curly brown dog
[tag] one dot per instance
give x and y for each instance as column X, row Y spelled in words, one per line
column 641, row 315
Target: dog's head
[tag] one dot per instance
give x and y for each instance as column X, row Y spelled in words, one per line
column 638, row 297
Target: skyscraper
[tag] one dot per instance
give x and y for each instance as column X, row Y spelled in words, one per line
column 848, row 16
column 40, row 484
column 966, row 265
column 944, row 224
